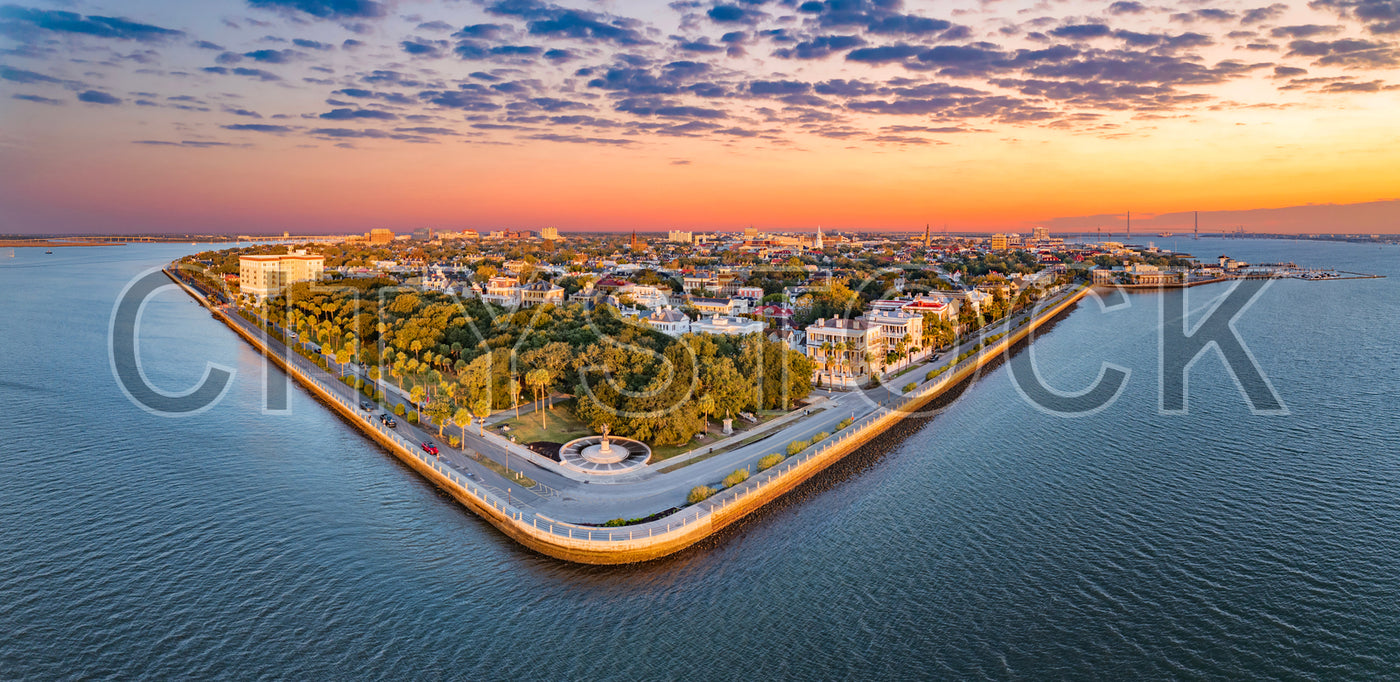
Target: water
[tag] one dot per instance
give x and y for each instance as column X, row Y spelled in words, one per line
column 996, row 542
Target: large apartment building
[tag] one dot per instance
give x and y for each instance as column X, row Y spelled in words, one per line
column 839, row 348
column 264, row 276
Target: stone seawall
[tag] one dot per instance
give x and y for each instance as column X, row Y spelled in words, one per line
column 641, row 542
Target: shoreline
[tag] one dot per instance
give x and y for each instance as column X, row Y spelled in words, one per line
column 670, row 534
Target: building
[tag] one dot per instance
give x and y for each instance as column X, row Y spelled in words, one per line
column 750, row 233
column 755, row 293
column 263, row 276
column 999, row 242
column 668, row 321
column 1142, row 273
column 647, row 295
column 922, row 305
column 503, row 291
column 732, row 326
column 550, row 233
column 713, row 306
column 839, row 348
column 540, row 293
column 423, row 234
column 680, row 237
column 817, row 243
column 380, row 236
column 898, row 326
column 1040, row 234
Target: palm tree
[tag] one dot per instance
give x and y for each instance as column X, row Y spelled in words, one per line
column 706, row 404
column 513, row 386
column 416, row 395
column 481, row 407
column 462, row 418
column 539, row 380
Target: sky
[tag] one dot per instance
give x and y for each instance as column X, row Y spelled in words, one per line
column 336, row 116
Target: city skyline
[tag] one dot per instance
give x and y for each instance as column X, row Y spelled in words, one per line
column 333, row 116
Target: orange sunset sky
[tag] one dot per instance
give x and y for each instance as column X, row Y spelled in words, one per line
column 343, row 115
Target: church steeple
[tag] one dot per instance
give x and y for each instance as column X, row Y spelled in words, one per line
column 818, row 243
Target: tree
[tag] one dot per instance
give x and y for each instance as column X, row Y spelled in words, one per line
column 706, row 405
column 513, row 386
column 342, row 358
column 481, row 407
column 417, row 395
column 439, row 411
column 462, row 418
column 539, row 380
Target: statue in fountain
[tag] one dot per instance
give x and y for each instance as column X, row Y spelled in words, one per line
column 606, row 449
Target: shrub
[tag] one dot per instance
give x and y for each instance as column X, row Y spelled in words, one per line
column 844, row 423
column 359, row 384
column 379, row 395
column 820, row 437
column 398, row 409
column 615, row 523
column 454, row 441
column 910, row 386
column 699, row 493
column 739, row 476
column 796, row 447
column 413, row 416
column 769, row 462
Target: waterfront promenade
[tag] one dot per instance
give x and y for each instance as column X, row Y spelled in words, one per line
column 552, row 516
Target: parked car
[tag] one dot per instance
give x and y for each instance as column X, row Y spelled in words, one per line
column 367, row 406
column 430, row 447
column 388, row 421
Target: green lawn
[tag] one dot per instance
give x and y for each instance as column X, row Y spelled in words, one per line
column 561, row 426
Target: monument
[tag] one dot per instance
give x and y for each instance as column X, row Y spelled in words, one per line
column 604, row 454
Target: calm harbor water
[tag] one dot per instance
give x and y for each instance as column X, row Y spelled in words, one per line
column 995, row 542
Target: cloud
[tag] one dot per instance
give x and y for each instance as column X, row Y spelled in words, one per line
column 35, row 21
column 97, row 97
column 272, row 56
column 258, row 128
column 883, row 54
column 553, row 21
column 1304, row 31
column 422, row 47
column 1381, row 17
column 1126, row 7
column 1080, row 31
column 312, row 44
column 1260, row 15
column 820, row 47
column 23, row 76
column 779, row 88
column 352, row 114
column 325, row 9
column 37, row 99
column 734, row 14
column 1347, row 52
column 575, row 139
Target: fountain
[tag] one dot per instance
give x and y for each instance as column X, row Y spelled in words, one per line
column 604, row 455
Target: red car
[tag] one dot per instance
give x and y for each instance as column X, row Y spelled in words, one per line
column 430, row 447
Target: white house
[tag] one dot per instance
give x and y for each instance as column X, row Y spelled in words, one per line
column 733, row 326
column 668, row 321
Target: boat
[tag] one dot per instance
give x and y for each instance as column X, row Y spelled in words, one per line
column 50, row 252
column 1165, row 234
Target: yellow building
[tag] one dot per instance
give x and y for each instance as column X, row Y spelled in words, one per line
column 263, row 276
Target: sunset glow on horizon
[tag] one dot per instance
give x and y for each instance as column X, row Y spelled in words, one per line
column 335, row 116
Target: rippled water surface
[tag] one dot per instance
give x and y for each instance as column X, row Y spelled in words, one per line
column 994, row 542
